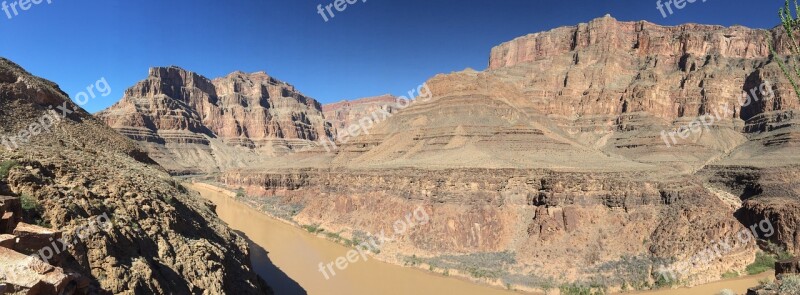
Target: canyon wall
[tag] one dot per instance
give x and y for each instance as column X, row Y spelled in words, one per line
column 348, row 112
column 577, row 155
column 192, row 124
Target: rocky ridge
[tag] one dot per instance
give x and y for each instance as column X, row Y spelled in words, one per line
column 163, row 240
column 195, row 125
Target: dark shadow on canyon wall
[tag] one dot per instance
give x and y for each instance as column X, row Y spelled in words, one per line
column 269, row 272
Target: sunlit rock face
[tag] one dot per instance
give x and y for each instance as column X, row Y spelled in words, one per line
column 193, row 124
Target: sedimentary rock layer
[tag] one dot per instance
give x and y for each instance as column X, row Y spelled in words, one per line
column 193, row 124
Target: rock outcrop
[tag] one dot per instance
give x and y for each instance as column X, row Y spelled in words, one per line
column 158, row 238
column 23, row 274
column 192, row 124
column 348, row 112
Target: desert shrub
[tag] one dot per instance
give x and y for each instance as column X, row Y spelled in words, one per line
column 764, row 262
column 633, row 271
column 790, row 285
column 730, row 274
column 412, row 260
column 170, row 200
column 575, row 289
column 547, row 285
column 313, row 228
column 790, row 23
column 29, row 203
column 766, row 283
column 6, row 167
column 336, row 237
column 32, row 211
column 726, row 292
column 779, row 251
column 477, row 272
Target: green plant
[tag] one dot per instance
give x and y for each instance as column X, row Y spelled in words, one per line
column 763, row 262
column 575, row 289
column 790, row 285
column 478, row 273
column 29, row 203
column 32, row 210
column 169, row 199
column 6, row 167
column 413, row 260
column 766, row 283
column 663, row 282
column 790, row 25
column 779, row 251
column 313, row 228
column 730, row 274
column 42, row 223
column 240, row 193
column 336, row 237
column 547, row 285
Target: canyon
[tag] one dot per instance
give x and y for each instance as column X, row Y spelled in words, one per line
column 546, row 168
column 157, row 237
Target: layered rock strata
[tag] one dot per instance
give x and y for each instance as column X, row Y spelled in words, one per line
column 593, row 153
column 192, row 124
column 345, row 113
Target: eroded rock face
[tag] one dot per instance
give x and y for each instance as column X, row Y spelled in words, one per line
column 555, row 158
column 28, row 275
column 193, row 124
column 162, row 240
column 345, row 113
column 576, row 177
column 553, row 224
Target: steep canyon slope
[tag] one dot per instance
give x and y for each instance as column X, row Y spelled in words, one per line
column 556, row 163
column 160, row 239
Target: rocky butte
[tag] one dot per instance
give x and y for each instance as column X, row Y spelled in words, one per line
column 191, row 124
column 548, row 167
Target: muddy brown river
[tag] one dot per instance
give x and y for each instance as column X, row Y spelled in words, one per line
column 288, row 258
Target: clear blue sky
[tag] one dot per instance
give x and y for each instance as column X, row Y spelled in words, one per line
column 372, row 48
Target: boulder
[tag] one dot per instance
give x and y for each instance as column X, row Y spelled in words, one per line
column 7, row 223
column 29, row 275
column 789, row 266
column 11, row 213
column 7, row 241
column 33, row 238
